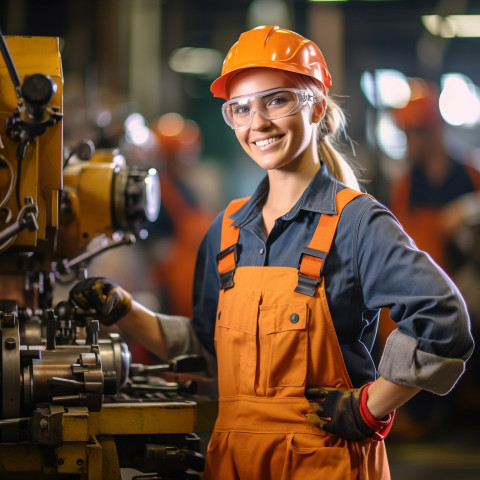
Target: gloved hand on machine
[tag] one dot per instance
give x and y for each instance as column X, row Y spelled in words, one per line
column 110, row 301
column 345, row 413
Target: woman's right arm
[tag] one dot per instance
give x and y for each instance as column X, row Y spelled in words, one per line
column 143, row 326
column 168, row 336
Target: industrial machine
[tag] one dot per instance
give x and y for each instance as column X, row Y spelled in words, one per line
column 73, row 406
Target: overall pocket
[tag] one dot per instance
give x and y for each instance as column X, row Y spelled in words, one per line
column 286, row 335
column 235, row 343
column 310, row 457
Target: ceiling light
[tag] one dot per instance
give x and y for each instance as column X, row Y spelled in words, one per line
column 385, row 88
column 451, row 26
column 204, row 62
column 459, row 100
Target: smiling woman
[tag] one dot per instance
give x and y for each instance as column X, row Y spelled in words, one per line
column 276, row 84
column 276, row 131
column 303, row 65
column 289, row 284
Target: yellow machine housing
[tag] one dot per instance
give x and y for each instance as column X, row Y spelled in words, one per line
column 41, row 168
column 88, row 187
column 60, row 417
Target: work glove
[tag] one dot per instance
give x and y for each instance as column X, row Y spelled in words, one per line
column 110, row 301
column 345, row 413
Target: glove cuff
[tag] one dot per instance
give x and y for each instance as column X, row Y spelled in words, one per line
column 381, row 427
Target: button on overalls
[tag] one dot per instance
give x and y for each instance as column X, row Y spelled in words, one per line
column 274, row 335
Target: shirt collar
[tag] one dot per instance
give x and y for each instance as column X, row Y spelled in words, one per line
column 319, row 197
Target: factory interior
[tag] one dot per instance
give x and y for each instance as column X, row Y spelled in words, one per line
column 132, row 135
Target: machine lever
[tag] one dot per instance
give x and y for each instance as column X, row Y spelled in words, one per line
column 179, row 364
column 26, row 219
column 64, row 267
column 9, row 63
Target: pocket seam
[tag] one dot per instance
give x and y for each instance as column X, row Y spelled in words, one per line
column 287, row 325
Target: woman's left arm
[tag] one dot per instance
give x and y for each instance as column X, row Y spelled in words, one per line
column 429, row 348
column 383, row 397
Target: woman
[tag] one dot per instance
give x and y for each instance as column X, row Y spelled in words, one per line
column 289, row 284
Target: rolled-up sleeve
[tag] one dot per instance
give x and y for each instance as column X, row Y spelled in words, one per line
column 180, row 339
column 433, row 340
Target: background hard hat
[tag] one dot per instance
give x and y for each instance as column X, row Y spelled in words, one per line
column 422, row 110
column 180, row 139
column 273, row 47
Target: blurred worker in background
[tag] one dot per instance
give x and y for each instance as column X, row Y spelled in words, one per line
column 289, row 284
column 437, row 195
column 183, row 221
column 437, row 201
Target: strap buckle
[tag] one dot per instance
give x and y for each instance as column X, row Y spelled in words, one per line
column 226, row 278
column 306, row 284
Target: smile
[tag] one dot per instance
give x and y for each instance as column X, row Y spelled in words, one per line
column 263, row 143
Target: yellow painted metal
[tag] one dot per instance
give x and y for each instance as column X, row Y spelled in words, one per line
column 41, row 169
column 94, row 452
column 35, row 55
column 22, row 458
column 75, row 425
column 143, row 418
column 110, row 463
column 89, row 189
column 88, row 445
column 71, row 457
column 128, row 418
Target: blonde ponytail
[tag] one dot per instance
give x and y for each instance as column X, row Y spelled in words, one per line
column 339, row 167
column 331, row 124
column 328, row 128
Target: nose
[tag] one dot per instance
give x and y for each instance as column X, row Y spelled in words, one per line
column 259, row 120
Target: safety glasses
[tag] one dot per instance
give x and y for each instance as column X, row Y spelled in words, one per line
column 271, row 104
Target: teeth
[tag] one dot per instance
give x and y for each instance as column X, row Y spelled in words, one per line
column 262, row 143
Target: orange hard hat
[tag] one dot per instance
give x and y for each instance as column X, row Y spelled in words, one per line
column 273, row 47
column 179, row 140
column 177, row 134
column 422, row 110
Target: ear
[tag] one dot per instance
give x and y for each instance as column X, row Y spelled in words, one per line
column 319, row 111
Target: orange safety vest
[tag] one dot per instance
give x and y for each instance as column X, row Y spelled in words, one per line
column 273, row 336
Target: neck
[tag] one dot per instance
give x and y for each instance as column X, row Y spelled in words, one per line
column 285, row 188
column 287, row 184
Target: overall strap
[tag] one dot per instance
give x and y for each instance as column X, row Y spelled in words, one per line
column 313, row 257
column 227, row 258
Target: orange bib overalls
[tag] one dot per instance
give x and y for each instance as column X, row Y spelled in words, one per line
column 273, row 336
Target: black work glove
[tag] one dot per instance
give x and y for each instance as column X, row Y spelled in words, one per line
column 110, row 301
column 338, row 412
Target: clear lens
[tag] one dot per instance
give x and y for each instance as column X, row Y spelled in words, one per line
column 271, row 104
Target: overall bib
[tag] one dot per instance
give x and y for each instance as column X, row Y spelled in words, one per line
column 274, row 335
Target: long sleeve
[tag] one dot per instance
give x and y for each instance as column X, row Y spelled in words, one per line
column 433, row 339
column 181, row 339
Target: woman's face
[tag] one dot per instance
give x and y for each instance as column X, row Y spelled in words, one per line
column 282, row 143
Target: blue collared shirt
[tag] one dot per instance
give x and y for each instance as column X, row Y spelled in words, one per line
column 372, row 264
